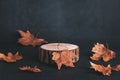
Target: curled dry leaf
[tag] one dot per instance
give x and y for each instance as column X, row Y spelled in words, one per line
column 64, row 58
column 28, row 39
column 116, row 68
column 100, row 51
column 10, row 57
column 28, row 68
column 106, row 71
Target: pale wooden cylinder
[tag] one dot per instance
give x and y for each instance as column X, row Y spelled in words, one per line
column 46, row 50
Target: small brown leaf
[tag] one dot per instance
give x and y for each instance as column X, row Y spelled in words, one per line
column 28, row 39
column 25, row 68
column 106, row 71
column 100, row 51
column 10, row 57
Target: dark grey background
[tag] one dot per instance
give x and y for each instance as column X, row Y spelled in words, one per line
column 81, row 22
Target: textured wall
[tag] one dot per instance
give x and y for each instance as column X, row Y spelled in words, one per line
column 75, row 21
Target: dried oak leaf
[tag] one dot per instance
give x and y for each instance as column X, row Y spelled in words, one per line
column 100, row 51
column 28, row 39
column 116, row 68
column 28, row 68
column 10, row 57
column 106, row 71
column 64, row 58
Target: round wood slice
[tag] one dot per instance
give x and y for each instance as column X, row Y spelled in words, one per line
column 46, row 50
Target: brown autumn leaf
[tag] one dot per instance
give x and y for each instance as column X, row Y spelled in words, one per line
column 116, row 68
column 10, row 57
column 28, row 39
column 64, row 58
column 106, row 71
column 100, row 51
column 28, row 68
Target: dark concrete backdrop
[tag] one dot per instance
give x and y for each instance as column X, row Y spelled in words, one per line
column 77, row 21
column 82, row 22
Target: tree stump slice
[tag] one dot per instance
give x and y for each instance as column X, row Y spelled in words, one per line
column 46, row 50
